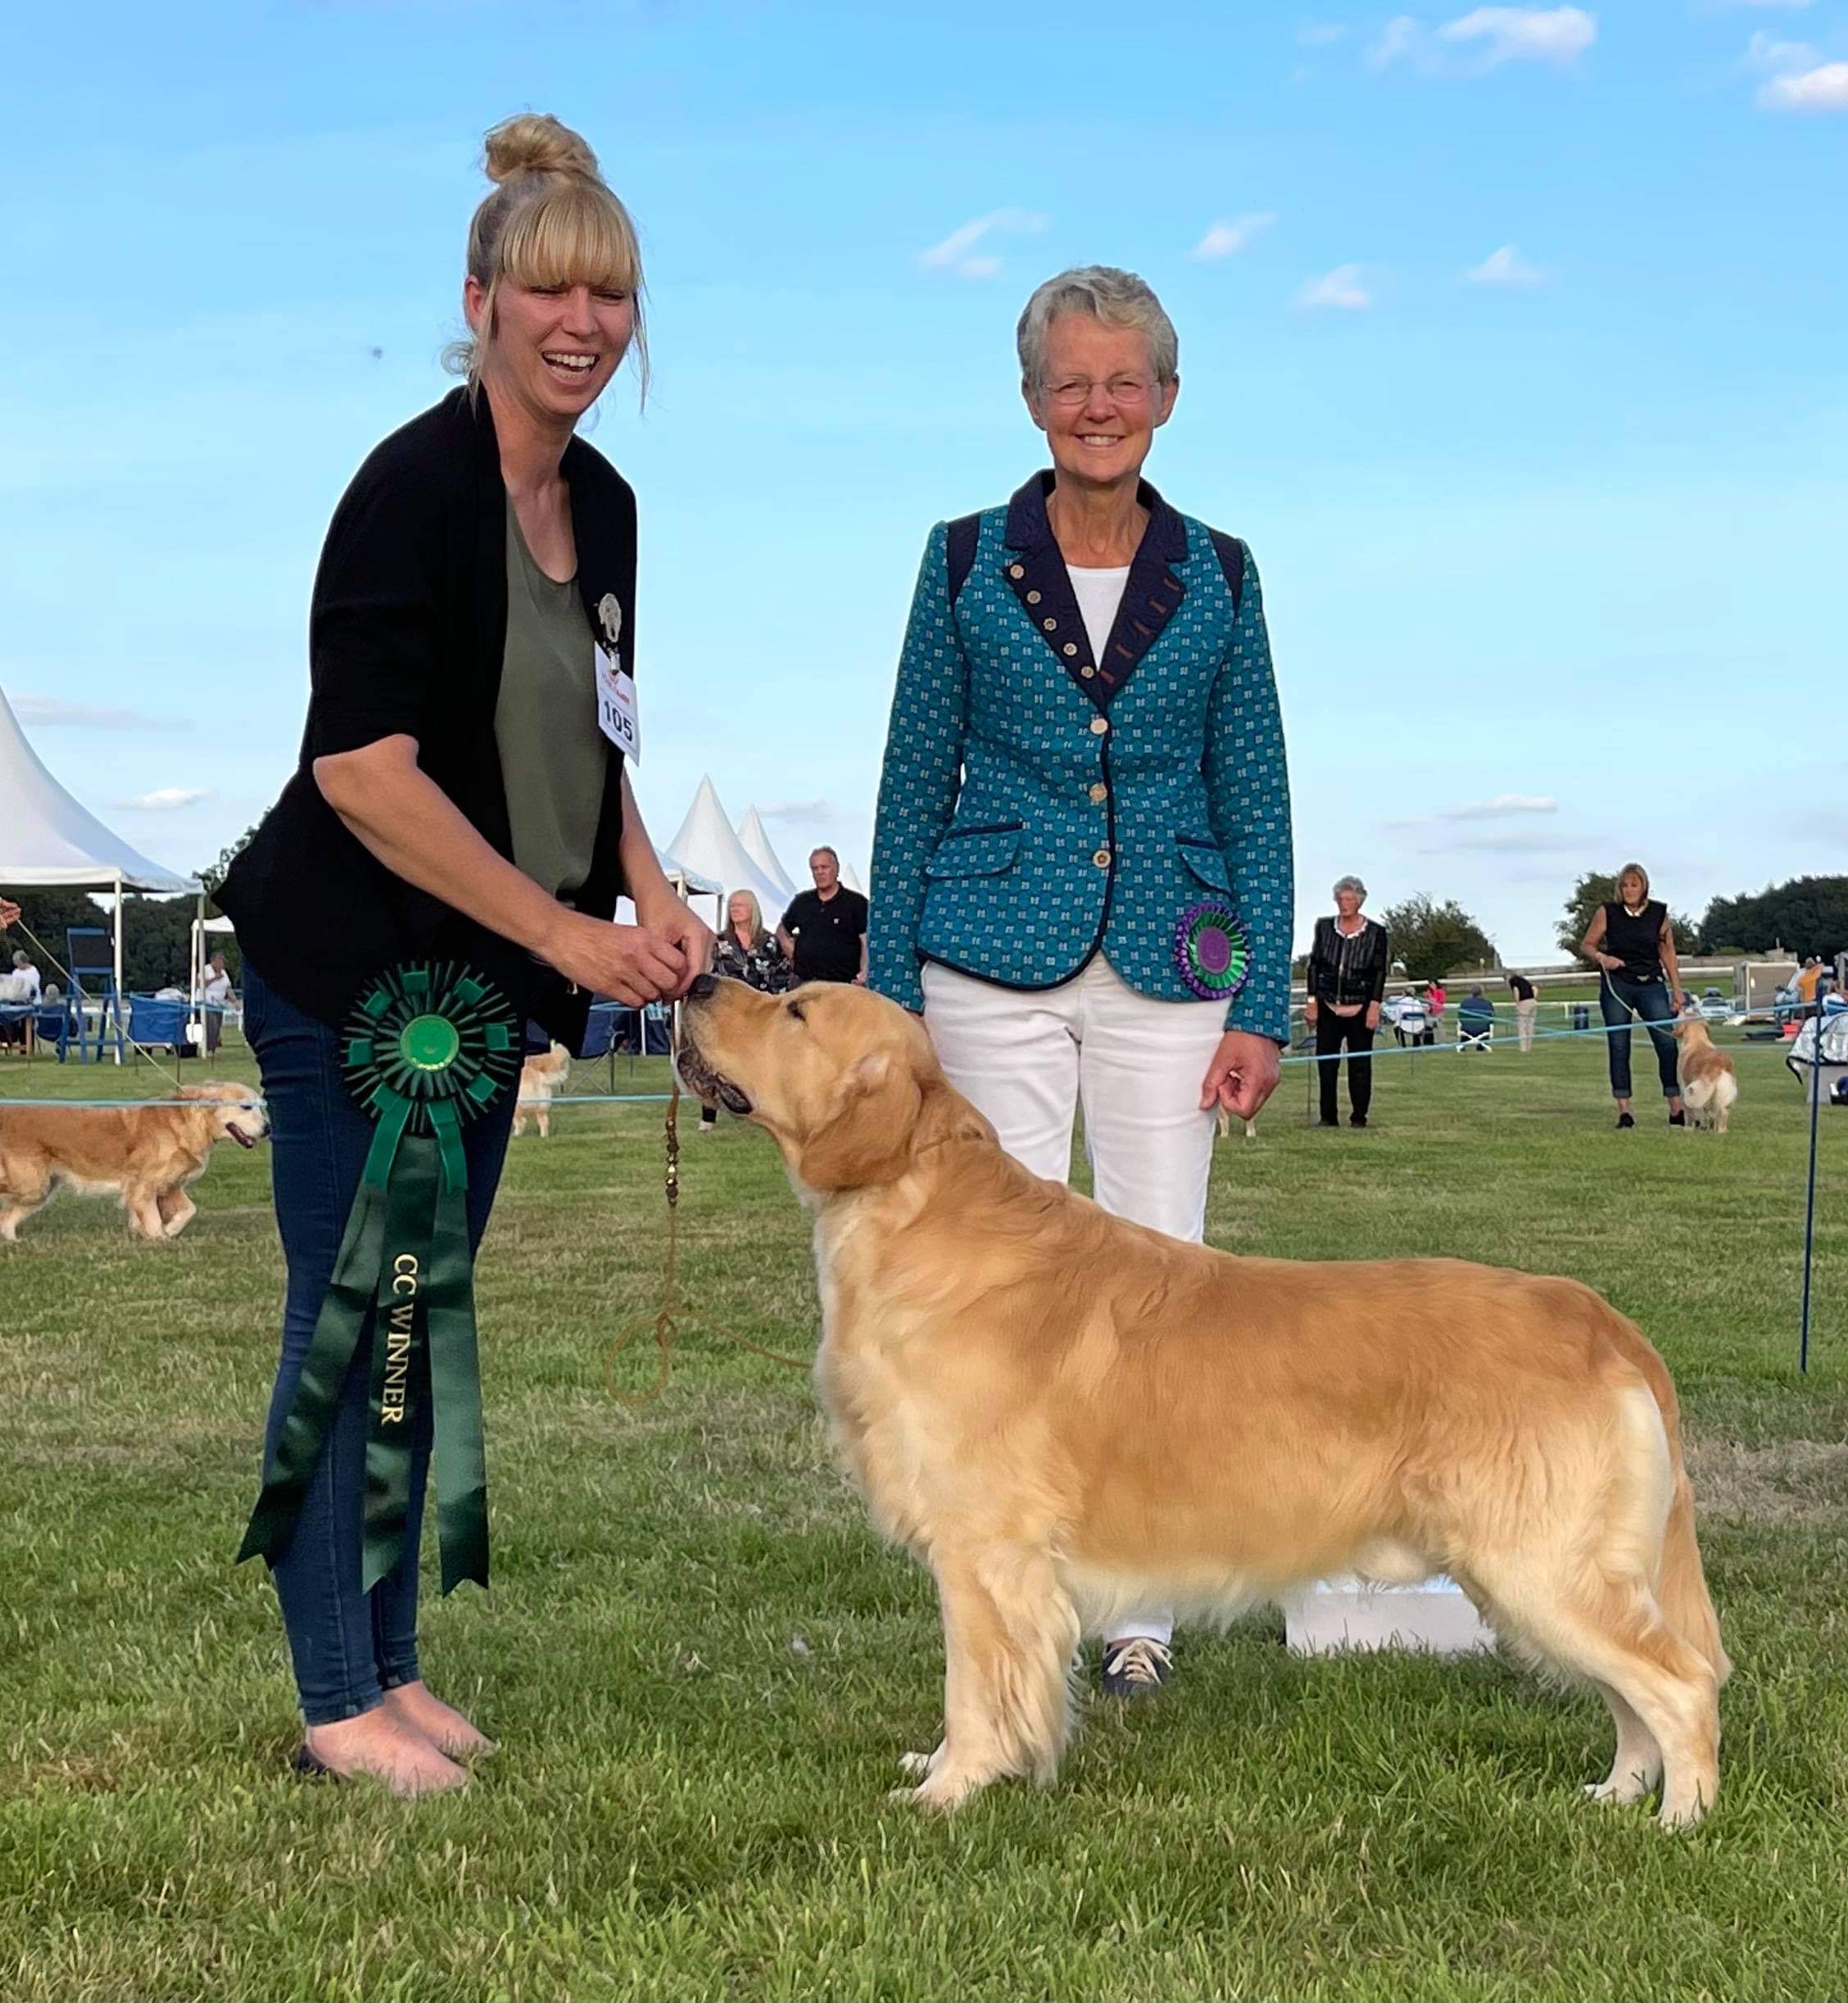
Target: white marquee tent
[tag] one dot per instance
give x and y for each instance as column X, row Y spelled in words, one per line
column 47, row 838
column 756, row 844
column 706, row 846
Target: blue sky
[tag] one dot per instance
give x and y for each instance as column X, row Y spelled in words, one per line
column 1512, row 341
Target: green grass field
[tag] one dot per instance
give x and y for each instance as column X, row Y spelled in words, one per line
column 702, row 1665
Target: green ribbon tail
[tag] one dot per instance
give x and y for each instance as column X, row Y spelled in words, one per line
column 461, row 1472
column 398, row 1371
column 337, row 1330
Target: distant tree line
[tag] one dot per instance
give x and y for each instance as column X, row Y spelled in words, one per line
column 1807, row 915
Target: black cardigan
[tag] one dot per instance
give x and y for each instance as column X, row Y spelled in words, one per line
column 1344, row 971
column 406, row 634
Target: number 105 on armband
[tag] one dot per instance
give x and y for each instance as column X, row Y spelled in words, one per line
column 616, row 705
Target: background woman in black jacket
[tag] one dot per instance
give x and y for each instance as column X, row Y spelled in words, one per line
column 458, row 795
column 1348, row 967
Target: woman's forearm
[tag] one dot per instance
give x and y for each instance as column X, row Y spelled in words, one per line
column 405, row 818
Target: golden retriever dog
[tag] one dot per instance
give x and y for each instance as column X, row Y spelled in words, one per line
column 144, row 1155
column 1708, row 1084
column 541, row 1076
column 1064, row 1415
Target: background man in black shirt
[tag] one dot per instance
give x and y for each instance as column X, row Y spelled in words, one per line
column 824, row 930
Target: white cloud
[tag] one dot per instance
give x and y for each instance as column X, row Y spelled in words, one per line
column 798, row 810
column 1397, row 39
column 1318, row 34
column 1823, row 88
column 52, row 711
column 1341, row 288
column 1225, row 239
column 1505, row 266
column 1767, row 56
column 1559, row 35
column 1504, row 806
column 166, row 800
column 957, row 252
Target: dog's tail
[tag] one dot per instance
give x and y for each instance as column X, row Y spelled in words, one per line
column 1681, row 1585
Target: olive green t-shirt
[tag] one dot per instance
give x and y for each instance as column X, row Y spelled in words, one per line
column 553, row 758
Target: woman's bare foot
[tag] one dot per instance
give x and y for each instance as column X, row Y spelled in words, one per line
column 381, row 1743
column 442, row 1724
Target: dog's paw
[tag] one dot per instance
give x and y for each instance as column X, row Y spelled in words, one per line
column 921, row 1765
column 940, row 1794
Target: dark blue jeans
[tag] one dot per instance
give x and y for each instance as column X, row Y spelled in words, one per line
column 349, row 1647
column 1618, row 999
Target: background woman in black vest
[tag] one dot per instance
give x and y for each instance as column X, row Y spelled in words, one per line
column 1632, row 941
column 1347, row 965
column 458, row 796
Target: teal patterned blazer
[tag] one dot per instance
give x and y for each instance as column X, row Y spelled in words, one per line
column 1038, row 806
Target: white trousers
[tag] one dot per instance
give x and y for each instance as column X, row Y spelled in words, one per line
column 1029, row 1059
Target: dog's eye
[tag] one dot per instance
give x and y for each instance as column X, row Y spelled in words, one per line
column 798, row 1011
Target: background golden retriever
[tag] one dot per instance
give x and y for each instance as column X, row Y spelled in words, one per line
column 541, row 1076
column 1064, row 1415
column 145, row 1155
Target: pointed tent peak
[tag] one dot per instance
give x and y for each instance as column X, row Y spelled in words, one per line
column 851, row 878
column 706, row 846
column 51, row 838
column 755, row 842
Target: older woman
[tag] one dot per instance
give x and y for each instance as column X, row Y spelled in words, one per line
column 747, row 950
column 1631, row 940
column 461, row 794
column 1348, row 964
column 1081, row 864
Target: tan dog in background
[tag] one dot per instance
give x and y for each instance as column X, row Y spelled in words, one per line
column 1064, row 1415
column 1708, row 1084
column 541, row 1076
column 144, row 1155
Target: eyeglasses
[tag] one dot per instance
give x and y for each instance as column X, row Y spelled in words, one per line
column 1074, row 391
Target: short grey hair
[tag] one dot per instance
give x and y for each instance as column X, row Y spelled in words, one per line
column 1117, row 298
column 1349, row 883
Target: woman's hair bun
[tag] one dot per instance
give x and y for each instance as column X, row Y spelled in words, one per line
column 535, row 143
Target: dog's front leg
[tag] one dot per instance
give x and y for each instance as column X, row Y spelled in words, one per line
column 1009, row 1631
column 176, row 1211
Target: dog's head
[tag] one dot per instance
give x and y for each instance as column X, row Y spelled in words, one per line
column 236, row 1110
column 839, row 1076
column 1691, row 1028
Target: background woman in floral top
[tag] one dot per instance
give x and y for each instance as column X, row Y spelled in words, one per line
column 746, row 951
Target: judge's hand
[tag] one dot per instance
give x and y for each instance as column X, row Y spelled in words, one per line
column 685, row 929
column 1242, row 1076
column 9, row 912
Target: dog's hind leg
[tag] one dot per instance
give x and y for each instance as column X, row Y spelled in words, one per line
column 1637, row 1765
column 1009, row 1633
column 1611, row 1632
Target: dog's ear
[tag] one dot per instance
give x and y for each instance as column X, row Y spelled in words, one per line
column 867, row 1137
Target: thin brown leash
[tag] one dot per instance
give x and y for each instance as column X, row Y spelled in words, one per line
column 665, row 1326
column 59, row 967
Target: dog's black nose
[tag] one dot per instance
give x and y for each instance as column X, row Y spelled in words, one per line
column 704, row 988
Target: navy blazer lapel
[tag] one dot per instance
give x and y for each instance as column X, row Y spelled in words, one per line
column 1035, row 571
column 1151, row 593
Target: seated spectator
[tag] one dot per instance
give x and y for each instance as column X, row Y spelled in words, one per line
column 1475, row 1020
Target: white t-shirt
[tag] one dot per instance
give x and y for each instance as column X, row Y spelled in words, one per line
column 27, row 980
column 1099, row 593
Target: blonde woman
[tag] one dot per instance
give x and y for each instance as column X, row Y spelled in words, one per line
column 747, row 951
column 1631, row 940
column 457, row 797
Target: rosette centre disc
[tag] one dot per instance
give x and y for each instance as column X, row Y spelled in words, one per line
column 429, row 1043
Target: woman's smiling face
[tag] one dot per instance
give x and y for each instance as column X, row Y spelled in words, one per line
column 553, row 347
column 1097, row 399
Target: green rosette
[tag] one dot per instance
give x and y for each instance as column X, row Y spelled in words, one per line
column 428, row 1048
